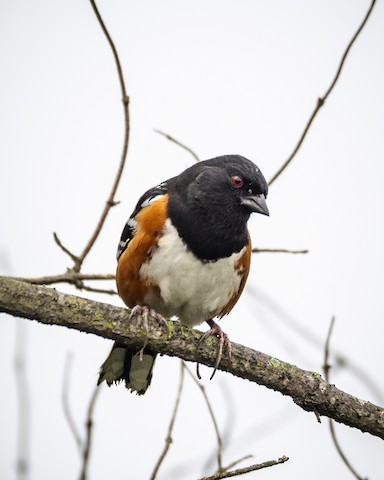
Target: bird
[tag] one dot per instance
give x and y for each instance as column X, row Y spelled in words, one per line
column 185, row 252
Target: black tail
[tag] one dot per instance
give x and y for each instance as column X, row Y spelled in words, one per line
column 124, row 364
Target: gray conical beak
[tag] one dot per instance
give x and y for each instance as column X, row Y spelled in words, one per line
column 256, row 203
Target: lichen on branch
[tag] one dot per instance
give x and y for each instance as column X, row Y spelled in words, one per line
column 307, row 389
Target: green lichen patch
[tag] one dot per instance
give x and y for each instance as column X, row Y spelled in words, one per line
column 274, row 362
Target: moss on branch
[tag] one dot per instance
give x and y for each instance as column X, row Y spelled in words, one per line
column 307, row 389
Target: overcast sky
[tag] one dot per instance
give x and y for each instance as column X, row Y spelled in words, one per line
column 222, row 77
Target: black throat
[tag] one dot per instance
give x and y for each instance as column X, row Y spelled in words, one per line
column 210, row 232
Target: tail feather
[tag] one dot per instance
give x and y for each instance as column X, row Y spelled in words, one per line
column 124, row 364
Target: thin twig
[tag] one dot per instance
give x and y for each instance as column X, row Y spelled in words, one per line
column 236, row 462
column 307, row 333
column 97, row 290
column 213, row 418
column 72, row 278
column 89, row 431
column 277, row 250
column 69, row 277
column 321, row 100
column 168, row 439
column 65, row 402
column 361, row 375
column 111, row 199
column 173, row 139
column 251, row 468
column 326, row 368
column 71, row 255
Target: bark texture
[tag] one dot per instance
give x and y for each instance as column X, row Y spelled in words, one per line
column 307, row 389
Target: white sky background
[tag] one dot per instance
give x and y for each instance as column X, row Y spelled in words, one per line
column 223, row 77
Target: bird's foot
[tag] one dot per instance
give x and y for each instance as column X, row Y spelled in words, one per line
column 222, row 344
column 143, row 312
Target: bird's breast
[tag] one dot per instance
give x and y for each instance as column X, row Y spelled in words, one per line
column 192, row 289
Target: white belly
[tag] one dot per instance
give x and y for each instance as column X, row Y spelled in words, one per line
column 191, row 290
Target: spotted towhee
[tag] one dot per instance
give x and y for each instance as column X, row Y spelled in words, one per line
column 185, row 251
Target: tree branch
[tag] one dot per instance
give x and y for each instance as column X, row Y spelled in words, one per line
column 182, row 145
column 69, row 277
column 321, row 100
column 307, row 389
column 242, row 471
column 278, row 250
column 111, row 202
column 326, row 368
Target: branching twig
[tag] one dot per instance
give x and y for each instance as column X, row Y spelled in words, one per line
column 69, row 277
column 326, row 368
column 73, row 278
column 321, row 100
column 251, row 468
column 307, row 389
column 71, row 255
column 277, row 250
column 78, row 260
column 340, row 359
column 111, row 199
column 213, row 418
column 168, row 439
column 97, row 290
column 172, row 139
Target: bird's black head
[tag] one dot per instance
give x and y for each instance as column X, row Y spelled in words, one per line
column 234, row 180
column 210, row 204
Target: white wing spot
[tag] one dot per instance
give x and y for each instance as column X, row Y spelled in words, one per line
column 150, row 200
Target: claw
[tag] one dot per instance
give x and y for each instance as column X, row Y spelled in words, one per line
column 144, row 312
column 223, row 343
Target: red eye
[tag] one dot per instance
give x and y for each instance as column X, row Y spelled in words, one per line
column 237, row 181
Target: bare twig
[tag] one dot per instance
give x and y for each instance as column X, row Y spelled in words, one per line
column 326, row 368
column 89, row 431
column 168, row 439
column 277, row 250
column 213, row 418
column 97, row 290
column 340, row 359
column 251, row 468
column 69, row 277
column 364, row 377
column 65, row 402
column 78, row 260
column 71, row 255
column 125, row 99
column 321, row 100
column 236, row 462
column 73, row 278
column 173, row 139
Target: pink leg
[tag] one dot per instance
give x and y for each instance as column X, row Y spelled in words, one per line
column 223, row 343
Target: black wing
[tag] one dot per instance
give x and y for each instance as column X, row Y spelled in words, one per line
column 130, row 227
